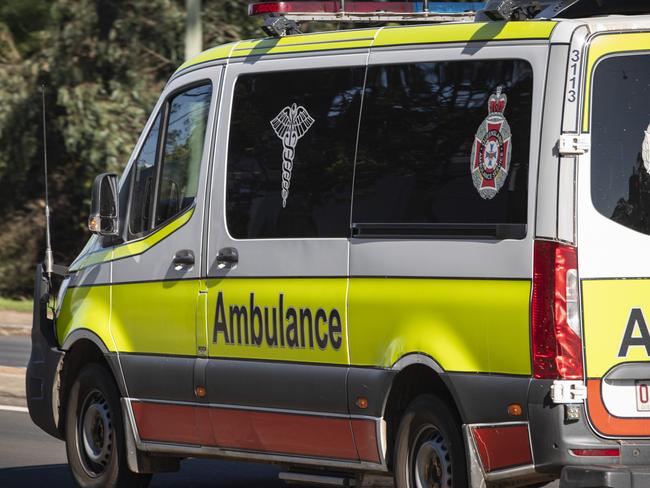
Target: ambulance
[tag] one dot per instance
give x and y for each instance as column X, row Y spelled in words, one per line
column 418, row 253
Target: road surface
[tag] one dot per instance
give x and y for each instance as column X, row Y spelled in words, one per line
column 14, row 350
column 31, row 458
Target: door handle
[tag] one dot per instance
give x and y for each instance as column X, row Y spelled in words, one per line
column 184, row 257
column 228, row 257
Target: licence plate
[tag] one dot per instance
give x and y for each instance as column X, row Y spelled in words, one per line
column 643, row 395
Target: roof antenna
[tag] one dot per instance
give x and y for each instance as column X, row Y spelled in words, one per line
column 49, row 260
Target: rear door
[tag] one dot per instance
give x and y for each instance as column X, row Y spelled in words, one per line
column 614, row 234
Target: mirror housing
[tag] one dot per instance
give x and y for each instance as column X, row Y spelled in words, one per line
column 104, row 212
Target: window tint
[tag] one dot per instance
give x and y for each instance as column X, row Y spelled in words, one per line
column 183, row 150
column 144, row 179
column 620, row 156
column 290, row 153
column 445, row 143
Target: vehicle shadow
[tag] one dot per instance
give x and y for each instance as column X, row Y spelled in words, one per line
column 194, row 473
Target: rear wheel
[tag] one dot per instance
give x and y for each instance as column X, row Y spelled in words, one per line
column 95, row 433
column 429, row 449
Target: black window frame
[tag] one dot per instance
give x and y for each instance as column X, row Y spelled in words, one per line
column 447, row 230
column 163, row 112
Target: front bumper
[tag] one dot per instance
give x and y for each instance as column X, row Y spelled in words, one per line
column 41, row 383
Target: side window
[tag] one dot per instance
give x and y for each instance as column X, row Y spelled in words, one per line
column 144, row 179
column 182, row 152
column 291, row 153
column 620, row 156
column 165, row 174
column 445, row 143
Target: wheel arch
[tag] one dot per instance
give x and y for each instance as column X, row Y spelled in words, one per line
column 417, row 374
column 82, row 347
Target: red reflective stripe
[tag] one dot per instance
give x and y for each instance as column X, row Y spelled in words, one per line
column 331, row 6
column 503, row 447
column 596, row 452
column 365, row 437
column 305, row 435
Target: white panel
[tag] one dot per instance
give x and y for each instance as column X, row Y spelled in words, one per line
column 566, row 201
column 619, row 398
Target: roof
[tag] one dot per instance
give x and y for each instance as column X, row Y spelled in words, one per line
column 377, row 37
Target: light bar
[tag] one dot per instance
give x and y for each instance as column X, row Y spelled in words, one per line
column 356, row 11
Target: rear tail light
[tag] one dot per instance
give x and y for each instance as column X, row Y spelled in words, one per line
column 556, row 342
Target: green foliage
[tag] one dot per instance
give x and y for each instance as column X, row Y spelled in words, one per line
column 16, row 305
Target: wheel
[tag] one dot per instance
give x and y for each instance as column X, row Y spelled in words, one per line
column 95, row 433
column 429, row 449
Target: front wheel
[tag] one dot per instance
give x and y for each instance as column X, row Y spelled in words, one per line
column 95, row 433
column 429, row 448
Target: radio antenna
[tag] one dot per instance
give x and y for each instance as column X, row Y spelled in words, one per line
column 49, row 260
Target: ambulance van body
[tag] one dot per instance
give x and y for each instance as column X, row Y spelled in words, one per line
column 412, row 251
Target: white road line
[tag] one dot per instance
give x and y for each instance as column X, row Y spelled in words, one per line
column 11, row 408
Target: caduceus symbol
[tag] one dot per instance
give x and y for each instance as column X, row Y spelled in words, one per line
column 290, row 125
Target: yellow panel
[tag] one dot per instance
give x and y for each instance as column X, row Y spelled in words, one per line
column 132, row 248
column 286, row 339
column 87, row 307
column 490, row 31
column 157, row 317
column 605, row 45
column 607, row 308
column 464, row 325
column 389, row 36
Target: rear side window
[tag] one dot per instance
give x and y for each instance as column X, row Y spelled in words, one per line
column 445, row 143
column 291, row 153
column 620, row 156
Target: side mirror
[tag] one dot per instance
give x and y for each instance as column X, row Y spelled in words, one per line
column 104, row 213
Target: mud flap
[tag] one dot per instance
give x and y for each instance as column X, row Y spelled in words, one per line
column 44, row 362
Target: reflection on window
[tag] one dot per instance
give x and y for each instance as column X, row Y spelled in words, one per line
column 144, row 183
column 291, row 152
column 418, row 127
column 620, row 156
column 183, row 150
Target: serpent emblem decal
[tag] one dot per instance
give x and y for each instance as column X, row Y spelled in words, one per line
column 290, row 125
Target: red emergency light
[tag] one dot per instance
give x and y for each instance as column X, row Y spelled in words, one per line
column 350, row 10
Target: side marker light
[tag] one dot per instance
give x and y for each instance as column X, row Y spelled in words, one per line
column 515, row 410
column 200, row 391
column 362, row 403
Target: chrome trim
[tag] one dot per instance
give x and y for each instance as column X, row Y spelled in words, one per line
column 512, row 473
column 190, row 451
column 256, row 409
column 475, row 473
column 411, row 359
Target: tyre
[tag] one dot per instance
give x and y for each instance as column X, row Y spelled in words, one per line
column 429, row 448
column 94, row 431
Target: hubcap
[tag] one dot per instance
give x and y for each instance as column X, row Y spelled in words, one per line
column 95, row 432
column 431, row 459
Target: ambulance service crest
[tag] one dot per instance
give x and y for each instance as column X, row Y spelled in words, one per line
column 492, row 148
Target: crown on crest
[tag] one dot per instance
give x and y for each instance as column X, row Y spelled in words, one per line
column 497, row 102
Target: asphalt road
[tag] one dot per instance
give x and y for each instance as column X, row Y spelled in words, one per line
column 31, row 458
column 14, row 351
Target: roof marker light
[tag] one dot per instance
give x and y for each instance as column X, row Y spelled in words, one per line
column 358, row 11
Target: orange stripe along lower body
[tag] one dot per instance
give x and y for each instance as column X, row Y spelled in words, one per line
column 607, row 424
column 250, row 430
